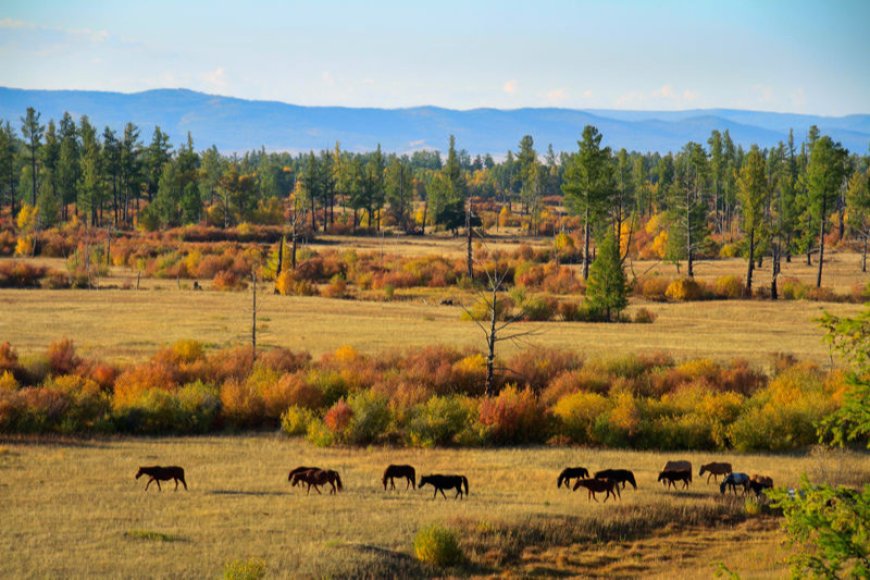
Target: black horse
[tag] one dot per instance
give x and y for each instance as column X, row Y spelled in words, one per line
column 570, row 473
column 299, row 469
column 400, row 471
column 442, row 482
column 671, row 478
column 158, row 474
column 622, row 476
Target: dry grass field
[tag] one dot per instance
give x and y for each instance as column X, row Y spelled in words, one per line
column 73, row 509
column 125, row 325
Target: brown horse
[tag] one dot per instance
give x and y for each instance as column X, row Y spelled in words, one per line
column 594, row 486
column 679, row 465
column 442, row 482
column 317, row 477
column 622, row 476
column 299, row 469
column 715, row 469
column 158, row 474
column 670, row 478
column 570, row 473
column 400, row 471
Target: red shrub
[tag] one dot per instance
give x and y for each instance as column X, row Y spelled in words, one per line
column 284, row 360
column 514, row 417
column 337, row 419
column 535, row 367
column 62, row 356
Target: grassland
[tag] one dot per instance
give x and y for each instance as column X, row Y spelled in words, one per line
column 73, row 509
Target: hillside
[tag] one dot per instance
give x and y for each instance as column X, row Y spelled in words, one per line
column 237, row 124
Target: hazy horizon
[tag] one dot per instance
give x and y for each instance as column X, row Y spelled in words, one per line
column 794, row 57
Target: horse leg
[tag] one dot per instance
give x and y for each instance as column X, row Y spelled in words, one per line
column 149, row 483
column 407, row 483
column 442, row 493
column 184, row 483
column 176, row 483
column 435, row 496
column 158, row 485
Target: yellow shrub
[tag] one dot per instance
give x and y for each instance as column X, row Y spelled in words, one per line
column 8, row 382
column 579, row 412
column 684, row 289
column 346, row 354
column 24, row 246
column 660, row 244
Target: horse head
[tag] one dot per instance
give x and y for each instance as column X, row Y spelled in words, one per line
column 140, row 473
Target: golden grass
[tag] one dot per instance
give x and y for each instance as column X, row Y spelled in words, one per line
column 73, row 509
column 124, row 325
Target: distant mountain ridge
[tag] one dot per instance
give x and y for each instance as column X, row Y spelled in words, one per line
column 235, row 124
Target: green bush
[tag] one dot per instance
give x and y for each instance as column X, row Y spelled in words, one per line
column 371, row 416
column 439, row 421
column 578, row 413
column 437, row 546
column 244, row 570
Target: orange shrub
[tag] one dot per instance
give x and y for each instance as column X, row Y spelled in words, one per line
column 62, row 356
column 228, row 280
column 290, row 390
column 535, row 367
column 514, row 417
column 653, row 288
column 684, row 289
column 137, row 380
column 338, row 418
column 242, row 405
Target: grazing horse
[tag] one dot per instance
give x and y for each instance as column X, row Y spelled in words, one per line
column 158, row 474
column 400, row 471
column 570, row 473
column 670, row 478
column 715, row 469
column 622, row 476
column 734, row 479
column 317, row 477
column 759, row 483
column 442, row 482
column 293, row 472
column 594, row 486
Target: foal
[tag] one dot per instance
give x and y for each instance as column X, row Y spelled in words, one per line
column 622, row 476
column 442, row 482
column 158, row 474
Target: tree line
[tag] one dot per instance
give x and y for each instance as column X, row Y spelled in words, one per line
column 778, row 202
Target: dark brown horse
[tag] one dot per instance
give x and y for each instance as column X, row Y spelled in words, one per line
column 759, row 483
column 317, row 477
column 594, row 486
column 670, row 478
column 400, row 471
column 715, row 469
column 622, row 476
column 299, row 469
column 570, row 473
column 442, row 482
column 158, row 474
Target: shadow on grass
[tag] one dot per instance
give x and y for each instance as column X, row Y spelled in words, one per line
column 244, row 492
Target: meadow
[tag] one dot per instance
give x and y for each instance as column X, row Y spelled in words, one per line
column 72, row 509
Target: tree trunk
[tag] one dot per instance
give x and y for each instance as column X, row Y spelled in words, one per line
column 469, row 260
column 821, row 244
column 586, row 244
column 864, row 256
column 254, row 313
column 751, row 264
column 775, row 267
column 490, row 358
column 423, row 225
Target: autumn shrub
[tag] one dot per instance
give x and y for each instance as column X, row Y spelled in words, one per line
column 229, row 280
column 56, row 280
column 784, row 415
column 535, row 367
column 9, row 359
column 8, row 382
column 234, row 363
column 729, row 287
column 587, row 379
column 337, row 288
column 290, row 390
column 514, row 417
column 683, row 290
column 296, row 420
column 243, row 406
column 337, row 419
column 653, row 288
column 369, row 418
column 539, row 308
column 438, row 546
column 442, row 420
column 137, row 380
column 20, row 274
column 794, row 289
column 621, row 426
column 288, row 284
column 823, row 294
column 482, row 309
column 578, row 413
column 644, row 316
column 200, row 407
column 468, row 374
column 62, row 356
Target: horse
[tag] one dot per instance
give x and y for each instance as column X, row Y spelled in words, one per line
column 293, row 472
column 442, row 482
column 158, row 474
column 622, row 476
column 400, row 471
column 317, row 477
column 715, row 469
column 570, row 473
column 759, row 483
column 670, row 478
column 594, row 486
column 732, row 480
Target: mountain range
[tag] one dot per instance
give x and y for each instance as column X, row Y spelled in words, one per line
column 237, row 125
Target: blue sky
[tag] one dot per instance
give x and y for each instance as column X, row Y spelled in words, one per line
column 776, row 55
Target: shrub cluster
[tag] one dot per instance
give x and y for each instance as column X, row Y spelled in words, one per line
column 426, row 397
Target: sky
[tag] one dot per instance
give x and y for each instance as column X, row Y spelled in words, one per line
column 796, row 56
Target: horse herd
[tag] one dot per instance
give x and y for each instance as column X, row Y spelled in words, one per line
column 607, row 481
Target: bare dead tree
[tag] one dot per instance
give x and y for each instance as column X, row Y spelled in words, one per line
column 495, row 325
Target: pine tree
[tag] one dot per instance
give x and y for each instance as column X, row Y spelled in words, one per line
column 825, row 178
column 607, row 290
column 32, row 132
column 752, row 187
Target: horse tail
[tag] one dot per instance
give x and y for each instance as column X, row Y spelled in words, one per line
column 338, row 481
column 386, row 471
column 465, row 482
